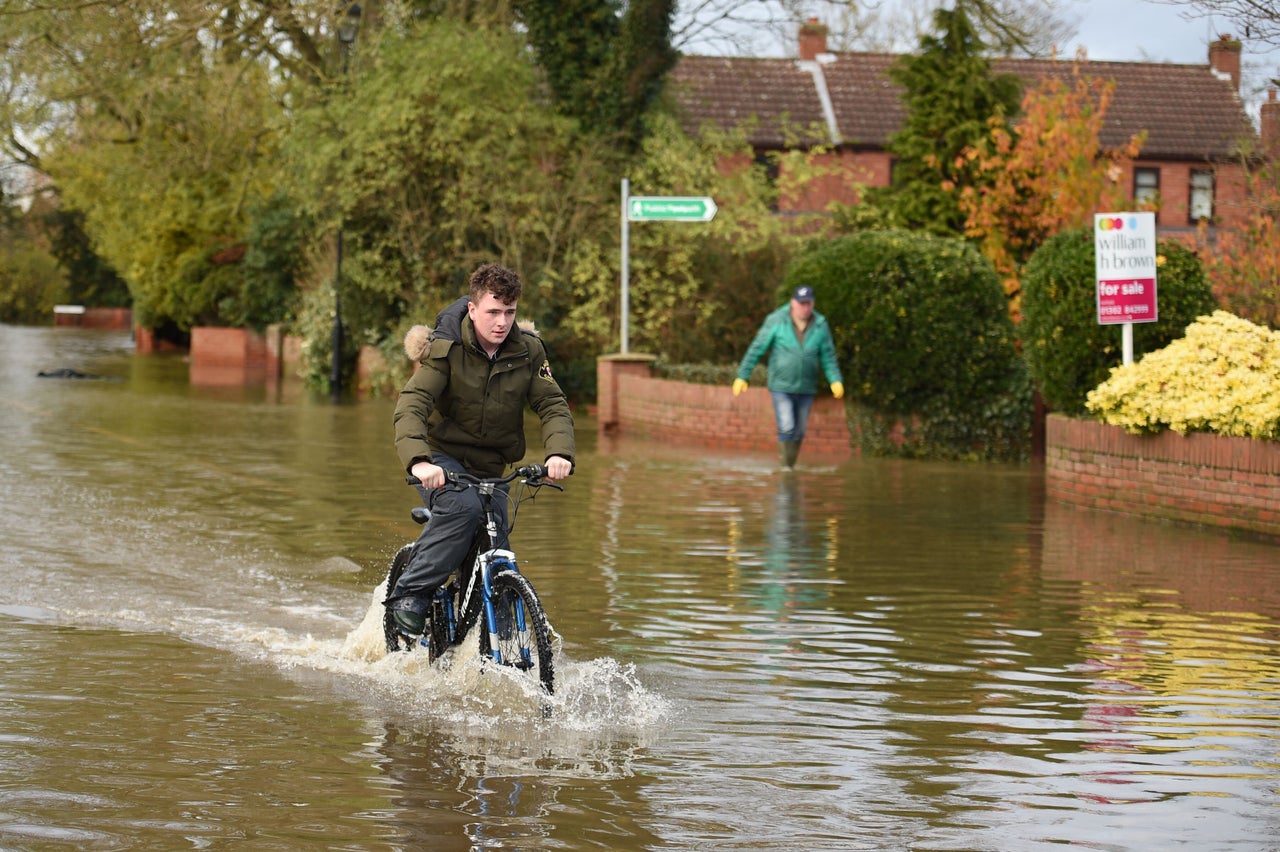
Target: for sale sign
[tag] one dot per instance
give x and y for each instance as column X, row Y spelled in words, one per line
column 1125, row 246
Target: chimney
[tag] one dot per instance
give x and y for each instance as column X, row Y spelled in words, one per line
column 813, row 39
column 1269, row 124
column 1224, row 58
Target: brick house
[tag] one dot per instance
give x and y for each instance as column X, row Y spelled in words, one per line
column 1193, row 114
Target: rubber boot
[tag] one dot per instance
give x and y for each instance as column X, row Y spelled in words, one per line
column 787, row 453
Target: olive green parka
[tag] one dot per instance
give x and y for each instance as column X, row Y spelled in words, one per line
column 462, row 403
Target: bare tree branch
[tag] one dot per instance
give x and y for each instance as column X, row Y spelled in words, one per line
column 770, row 27
column 1258, row 21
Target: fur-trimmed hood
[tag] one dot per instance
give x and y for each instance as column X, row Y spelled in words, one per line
column 417, row 340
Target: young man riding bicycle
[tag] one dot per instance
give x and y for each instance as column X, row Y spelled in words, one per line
column 463, row 410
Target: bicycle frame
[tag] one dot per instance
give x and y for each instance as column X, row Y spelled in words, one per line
column 483, row 568
column 489, row 588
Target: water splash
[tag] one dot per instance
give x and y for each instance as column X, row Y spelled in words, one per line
column 594, row 697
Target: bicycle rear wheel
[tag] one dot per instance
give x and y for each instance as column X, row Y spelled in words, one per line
column 520, row 636
column 396, row 641
column 436, row 633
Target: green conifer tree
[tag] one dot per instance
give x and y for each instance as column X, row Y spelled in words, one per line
column 951, row 97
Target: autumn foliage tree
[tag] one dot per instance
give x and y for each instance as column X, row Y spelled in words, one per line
column 1243, row 264
column 1044, row 173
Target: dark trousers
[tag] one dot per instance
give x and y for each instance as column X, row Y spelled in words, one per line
column 457, row 514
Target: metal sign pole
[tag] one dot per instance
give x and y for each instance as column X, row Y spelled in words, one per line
column 626, row 262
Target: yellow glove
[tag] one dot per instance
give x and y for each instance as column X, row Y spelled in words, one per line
column 738, row 386
column 837, row 389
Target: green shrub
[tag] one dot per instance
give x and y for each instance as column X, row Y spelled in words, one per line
column 925, row 342
column 1068, row 353
column 1219, row 378
column 30, row 285
column 706, row 374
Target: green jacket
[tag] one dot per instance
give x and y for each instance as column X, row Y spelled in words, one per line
column 461, row 403
column 793, row 366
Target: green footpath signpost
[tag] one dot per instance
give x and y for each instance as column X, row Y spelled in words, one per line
column 642, row 208
column 651, row 208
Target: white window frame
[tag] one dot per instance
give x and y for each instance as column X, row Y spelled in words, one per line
column 1144, row 193
column 1200, row 186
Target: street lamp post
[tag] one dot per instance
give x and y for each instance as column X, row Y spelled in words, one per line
column 347, row 29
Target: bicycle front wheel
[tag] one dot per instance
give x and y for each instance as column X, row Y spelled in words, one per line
column 520, row 635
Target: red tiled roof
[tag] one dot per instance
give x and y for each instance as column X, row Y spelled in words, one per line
column 1188, row 111
column 769, row 95
column 868, row 105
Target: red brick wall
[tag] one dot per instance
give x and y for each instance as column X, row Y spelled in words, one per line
column 227, row 356
column 1232, row 483
column 1229, row 206
column 115, row 319
column 849, row 170
column 630, row 401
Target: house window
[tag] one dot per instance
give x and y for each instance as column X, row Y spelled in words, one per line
column 1146, row 186
column 1200, row 204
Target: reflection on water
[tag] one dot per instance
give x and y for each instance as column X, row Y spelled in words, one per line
column 875, row 655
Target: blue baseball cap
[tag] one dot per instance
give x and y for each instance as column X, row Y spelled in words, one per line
column 803, row 294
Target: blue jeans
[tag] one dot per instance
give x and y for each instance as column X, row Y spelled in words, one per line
column 791, row 410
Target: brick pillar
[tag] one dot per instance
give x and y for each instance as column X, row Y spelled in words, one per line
column 608, row 368
column 274, row 356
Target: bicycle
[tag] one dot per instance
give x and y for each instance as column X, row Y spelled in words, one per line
column 487, row 588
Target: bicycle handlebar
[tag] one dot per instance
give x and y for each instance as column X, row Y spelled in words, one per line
column 534, row 474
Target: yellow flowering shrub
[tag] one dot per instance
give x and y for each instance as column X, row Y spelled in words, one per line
column 1222, row 377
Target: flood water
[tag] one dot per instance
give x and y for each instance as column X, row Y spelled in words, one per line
column 865, row 656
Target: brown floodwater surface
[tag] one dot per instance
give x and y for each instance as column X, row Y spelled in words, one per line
column 873, row 655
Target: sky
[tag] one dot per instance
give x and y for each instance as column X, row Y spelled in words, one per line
column 1108, row 30
column 1140, row 31
column 1145, row 31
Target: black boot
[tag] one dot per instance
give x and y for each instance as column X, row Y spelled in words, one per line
column 407, row 617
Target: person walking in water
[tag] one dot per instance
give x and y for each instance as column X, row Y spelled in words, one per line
column 798, row 342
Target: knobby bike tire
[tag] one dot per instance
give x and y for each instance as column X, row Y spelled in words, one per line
column 437, row 628
column 512, row 590
column 396, row 641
